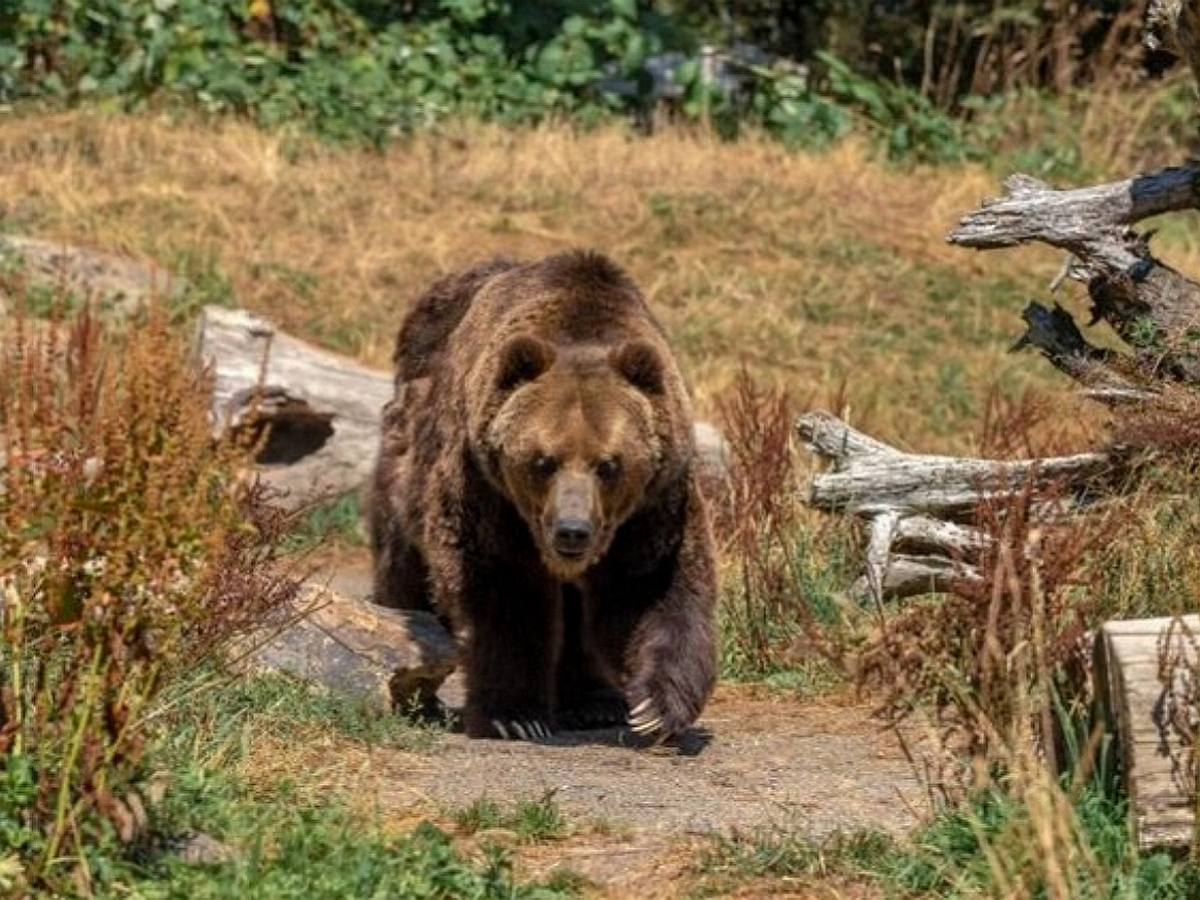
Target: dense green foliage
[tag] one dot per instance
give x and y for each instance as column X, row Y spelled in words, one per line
column 346, row 68
column 364, row 70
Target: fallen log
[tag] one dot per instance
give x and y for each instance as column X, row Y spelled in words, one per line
column 317, row 412
column 919, row 507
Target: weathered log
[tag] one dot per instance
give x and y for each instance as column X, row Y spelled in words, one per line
column 321, row 411
column 1091, row 222
column 1174, row 26
column 1152, row 307
column 1054, row 333
column 1147, row 678
column 879, row 481
column 912, row 502
column 910, row 576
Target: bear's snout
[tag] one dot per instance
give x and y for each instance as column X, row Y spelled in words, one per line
column 572, row 537
column 570, row 524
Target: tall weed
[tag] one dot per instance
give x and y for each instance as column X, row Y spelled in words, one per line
column 986, row 659
column 131, row 546
column 781, row 604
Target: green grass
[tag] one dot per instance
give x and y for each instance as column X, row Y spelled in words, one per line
column 773, row 854
column 333, row 521
column 954, row 857
column 221, row 709
column 532, row 821
column 285, row 841
column 957, row 855
column 316, row 852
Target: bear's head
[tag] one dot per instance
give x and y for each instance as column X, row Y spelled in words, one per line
column 574, row 441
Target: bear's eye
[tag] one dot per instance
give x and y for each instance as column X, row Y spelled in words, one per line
column 544, row 466
column 608, row 469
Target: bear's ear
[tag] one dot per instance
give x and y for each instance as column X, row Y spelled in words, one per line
column 639, row 363
column 522, row 359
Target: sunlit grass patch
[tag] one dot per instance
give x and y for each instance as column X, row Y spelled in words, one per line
column 813, row 270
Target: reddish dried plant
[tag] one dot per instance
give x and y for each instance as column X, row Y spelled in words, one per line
column 131, row 546
column 771, row 614
column 992, row 659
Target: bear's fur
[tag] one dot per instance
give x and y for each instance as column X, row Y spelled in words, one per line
column 535, row 487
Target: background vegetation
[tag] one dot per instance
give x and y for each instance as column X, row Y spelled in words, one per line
column 921, row 73
column 320, row 161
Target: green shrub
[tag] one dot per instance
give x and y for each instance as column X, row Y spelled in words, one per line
column 347, row 70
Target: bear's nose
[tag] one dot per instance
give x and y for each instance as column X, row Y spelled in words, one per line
column 572, row 536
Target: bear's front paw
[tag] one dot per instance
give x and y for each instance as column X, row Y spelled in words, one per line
column 520, row 730
column 661, row 715
column 600, row 708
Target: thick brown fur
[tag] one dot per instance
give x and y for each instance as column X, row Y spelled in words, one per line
column 535, row 486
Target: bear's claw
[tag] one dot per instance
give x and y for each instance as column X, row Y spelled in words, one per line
column 521, row 730
column 644, row 719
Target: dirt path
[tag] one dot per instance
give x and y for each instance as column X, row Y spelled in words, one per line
column 755, row 761
column 758, row 759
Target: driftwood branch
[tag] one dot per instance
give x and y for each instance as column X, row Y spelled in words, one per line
column 886, row 479
column 1154, row 309
column 1053, row 332
column 1174, row 26
column 1091, row 222
column 918, row 507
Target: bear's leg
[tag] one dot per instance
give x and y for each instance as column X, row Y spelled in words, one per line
column 401, row 577
column 512, row 648
column 586, row 698
column 659, row 634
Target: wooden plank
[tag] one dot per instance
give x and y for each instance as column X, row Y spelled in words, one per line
column 1155, row 757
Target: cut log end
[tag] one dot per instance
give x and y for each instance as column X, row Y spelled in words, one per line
column 1145, row 673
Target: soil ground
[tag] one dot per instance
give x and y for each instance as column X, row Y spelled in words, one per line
column 758, row 759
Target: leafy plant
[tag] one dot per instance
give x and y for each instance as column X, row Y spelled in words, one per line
column 350, row 71
column 910, row 127
column 128, row 544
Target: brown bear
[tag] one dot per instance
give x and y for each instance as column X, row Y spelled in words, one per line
column 535, row 486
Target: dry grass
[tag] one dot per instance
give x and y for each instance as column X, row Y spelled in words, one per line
column 815, row 271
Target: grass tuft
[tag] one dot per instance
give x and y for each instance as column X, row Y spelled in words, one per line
column 532, row 821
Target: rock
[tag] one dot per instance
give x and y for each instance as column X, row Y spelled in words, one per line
column 393, row 659
column 115, row 284
column 199, row 849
